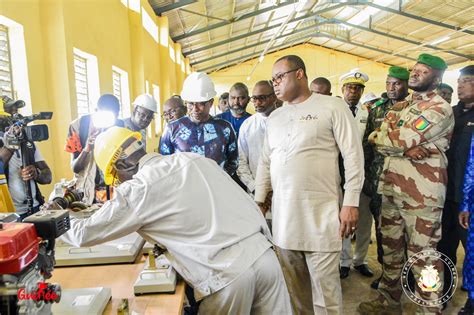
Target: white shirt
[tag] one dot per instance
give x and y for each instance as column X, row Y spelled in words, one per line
column 186, row 203
column 251, row 137
column 16, row 185
column 362, row 114
column 299, row 162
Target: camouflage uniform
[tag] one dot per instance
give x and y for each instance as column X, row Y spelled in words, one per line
column 413, row 190
column 374, row 161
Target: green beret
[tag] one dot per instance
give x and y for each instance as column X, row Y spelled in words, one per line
column 445, row 86
column 432, row 61
column 398, row 72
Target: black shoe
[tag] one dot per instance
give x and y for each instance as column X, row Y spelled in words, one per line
column 364, row 270
column 375, row 284
column 468, row 308
column 344, row 272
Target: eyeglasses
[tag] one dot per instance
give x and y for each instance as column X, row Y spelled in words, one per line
column 169, row 113
column 261, row 98
column 191, row 105
column 279, row 77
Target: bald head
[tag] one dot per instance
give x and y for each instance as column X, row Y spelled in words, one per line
column 321, row 86
column 173, row 109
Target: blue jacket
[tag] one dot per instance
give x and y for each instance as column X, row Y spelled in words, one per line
column 468, row 188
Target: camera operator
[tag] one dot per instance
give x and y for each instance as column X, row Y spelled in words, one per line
column 80, row 143
column 18, row 176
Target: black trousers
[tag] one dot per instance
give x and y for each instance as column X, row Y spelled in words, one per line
column 451, row 234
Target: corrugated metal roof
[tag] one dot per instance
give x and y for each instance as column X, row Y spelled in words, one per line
column 216, row 34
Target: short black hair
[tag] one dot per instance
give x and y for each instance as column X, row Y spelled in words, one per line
column 266, row 83
column 224, row 96
column 445, row 86
column 295, row 61
column 468, row 70
column 322, row 81
column 240, row 87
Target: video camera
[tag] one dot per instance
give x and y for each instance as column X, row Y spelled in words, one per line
column 33, row 133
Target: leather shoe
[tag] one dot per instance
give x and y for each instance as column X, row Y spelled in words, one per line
column 364, row 270
column 344, row 272
column 375, row 284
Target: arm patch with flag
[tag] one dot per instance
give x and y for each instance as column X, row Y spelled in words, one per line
column 421, row 123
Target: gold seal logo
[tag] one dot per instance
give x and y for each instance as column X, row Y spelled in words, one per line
column 429, row 279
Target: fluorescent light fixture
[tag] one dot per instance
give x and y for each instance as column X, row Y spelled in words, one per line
column 260, row 59
column 248, row 78
column 440, row 40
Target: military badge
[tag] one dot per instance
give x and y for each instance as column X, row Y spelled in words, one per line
column 421, row 123
column 414, row 111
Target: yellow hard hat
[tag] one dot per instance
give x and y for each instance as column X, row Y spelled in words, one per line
column 108, row 148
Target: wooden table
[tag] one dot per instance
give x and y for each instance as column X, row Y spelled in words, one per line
column 120, row 278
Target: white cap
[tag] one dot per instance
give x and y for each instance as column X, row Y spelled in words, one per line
column 198, row 87
column 368, row 97
column 146, row 101
column 355, row 77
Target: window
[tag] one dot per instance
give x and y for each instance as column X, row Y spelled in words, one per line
column 120, row 90
column 156, row 95
column 86, row 75
column 82, row 91
column 6, row 80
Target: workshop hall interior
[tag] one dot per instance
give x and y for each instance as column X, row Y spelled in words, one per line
column 236, row 157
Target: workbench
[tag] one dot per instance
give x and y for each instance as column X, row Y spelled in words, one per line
column 120, row 278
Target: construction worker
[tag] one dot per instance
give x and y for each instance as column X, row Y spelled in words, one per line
column 145, row 108
column 80, row 143
column 199, row 132
column 214, row 236
column 414, row 137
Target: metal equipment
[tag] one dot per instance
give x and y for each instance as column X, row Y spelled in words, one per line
column 157, row 276
column 27, row 260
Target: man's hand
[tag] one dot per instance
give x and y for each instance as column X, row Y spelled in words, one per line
column 93, row 133
column 464, row 219
column 417, row 153
column 373, row 136
column 29, row 173
column 348, row 217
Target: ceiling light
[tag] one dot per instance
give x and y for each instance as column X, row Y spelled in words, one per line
column 440, row 40
column 260, row 59
column 248, row 78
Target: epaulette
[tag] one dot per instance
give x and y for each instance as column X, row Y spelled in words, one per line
column 378, row 103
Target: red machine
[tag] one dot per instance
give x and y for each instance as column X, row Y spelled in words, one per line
column 27, row 260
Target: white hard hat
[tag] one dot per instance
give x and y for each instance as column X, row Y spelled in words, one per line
column 198, row 87
column 146, row 101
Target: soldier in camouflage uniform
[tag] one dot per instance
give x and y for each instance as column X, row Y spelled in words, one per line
column 413, row 187
column 397, row 89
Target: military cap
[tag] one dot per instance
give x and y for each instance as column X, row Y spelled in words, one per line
column 9, row 103
column 467, row 70
column 355, row 77
column 398, row 72
column 445, row 86
column 432, row 61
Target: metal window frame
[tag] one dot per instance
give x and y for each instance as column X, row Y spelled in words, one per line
column 4, row 29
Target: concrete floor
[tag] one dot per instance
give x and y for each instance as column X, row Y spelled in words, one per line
column 356, row 288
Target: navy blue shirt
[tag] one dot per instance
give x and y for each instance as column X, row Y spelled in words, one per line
column 235, row 122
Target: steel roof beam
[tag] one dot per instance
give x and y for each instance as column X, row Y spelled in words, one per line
column 403, row 39
column 173, row 6
column 232, row 20
column 419, row 18
column 250, row 56
column 254, row 45
column 232, row 39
